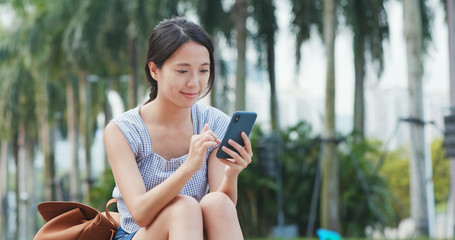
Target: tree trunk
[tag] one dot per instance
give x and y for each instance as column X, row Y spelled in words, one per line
column 84, row 129
column 240, row 15
column 30, row 183
column 451, row 25
column 71, row 116
column 132, row 93
column 359, row 91
column 420, row 164
column 16, row 180
column 44, row 131
column 3, row 186
column 214, row 96
column 219, row 93
column 450, row 4
column 22, row 194
column 330, row 192
column 5, row 135
column 108, row 117
column 274, row 109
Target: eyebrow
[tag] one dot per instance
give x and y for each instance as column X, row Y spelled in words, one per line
column 187, row 64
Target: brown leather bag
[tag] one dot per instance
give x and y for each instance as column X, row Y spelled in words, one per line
column 73, row 220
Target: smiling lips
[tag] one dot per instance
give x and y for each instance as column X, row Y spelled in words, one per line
column 190, row 95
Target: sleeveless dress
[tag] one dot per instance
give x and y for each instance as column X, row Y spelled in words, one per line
column 155, row 169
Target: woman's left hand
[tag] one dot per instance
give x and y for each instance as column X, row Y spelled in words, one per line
column 240, row 160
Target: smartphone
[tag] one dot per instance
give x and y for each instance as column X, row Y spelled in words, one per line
column 240, row 122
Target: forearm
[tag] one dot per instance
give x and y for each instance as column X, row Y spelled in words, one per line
column 229, row 187
column 152, row 202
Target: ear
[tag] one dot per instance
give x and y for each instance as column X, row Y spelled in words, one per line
column 153, row 70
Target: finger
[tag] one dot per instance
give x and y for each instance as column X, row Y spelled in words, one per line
column 213, row 135
column 244, row 156
column 240, row 149
column 247, row 142
column 209, row 144
column 209, row 136
column 235, row 156
column 233, row 166
column 206, row 128
column 229, row 152
column 230, row 161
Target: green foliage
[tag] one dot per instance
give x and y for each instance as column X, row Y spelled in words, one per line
column 396, row 170
column 102, row 191
column 258, row 188
column 441, row 172
column 365, row 196
column 306, row 16
column 300, row 161
column 427, row 16
column 265, row 19
column 257, row 194
column 368, row 21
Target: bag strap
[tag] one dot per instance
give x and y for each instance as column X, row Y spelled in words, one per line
column 110, row 202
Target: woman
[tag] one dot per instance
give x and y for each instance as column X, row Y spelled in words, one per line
column 162, row 153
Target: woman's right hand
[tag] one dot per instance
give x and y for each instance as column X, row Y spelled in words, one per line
column 198, row 148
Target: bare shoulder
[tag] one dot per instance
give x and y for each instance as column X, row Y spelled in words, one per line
column 113, row 135
column 111, row 130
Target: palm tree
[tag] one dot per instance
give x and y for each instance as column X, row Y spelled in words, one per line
column 18, row 104
column 322, row 15
column 5, row 136
column 217, row 22
column 240, row 16
column 265, row 18
column 368, row 22
column 52, row 23
column 415, row 29
column 103, row 38
column 330, row 192
column 450, row 13
column 306, row 14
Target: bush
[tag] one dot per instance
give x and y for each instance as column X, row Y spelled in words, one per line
column 366, row 198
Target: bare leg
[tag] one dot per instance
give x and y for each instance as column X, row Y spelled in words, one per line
column 181, row 219
column 220, row 217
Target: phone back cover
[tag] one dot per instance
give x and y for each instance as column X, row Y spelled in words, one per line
column 245, row 123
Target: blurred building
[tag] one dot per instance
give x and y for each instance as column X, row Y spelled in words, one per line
column 386, row 106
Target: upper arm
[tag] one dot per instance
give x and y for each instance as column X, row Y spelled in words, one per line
column 123, row 165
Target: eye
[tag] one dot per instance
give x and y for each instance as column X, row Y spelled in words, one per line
column 204, row 71
column 181, row 71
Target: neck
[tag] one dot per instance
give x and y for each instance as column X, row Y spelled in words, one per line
column 164, row 114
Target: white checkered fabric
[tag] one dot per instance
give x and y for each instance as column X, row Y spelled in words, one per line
column 153, row 168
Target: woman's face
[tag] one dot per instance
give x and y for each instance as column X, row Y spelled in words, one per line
column 184, row 76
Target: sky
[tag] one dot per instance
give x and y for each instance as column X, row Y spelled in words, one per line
column 311, row 77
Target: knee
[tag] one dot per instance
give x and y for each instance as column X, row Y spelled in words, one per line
column 216, row 201
column 185, row 203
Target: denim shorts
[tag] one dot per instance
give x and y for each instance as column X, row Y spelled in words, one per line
column 122, row 235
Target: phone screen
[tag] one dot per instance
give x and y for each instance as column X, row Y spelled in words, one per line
column 240, row 122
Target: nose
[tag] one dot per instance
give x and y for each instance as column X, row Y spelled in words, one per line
column 193, row 81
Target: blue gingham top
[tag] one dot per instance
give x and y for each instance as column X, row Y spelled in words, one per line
column 155, row 169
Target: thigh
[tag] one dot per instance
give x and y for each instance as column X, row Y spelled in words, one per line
column 220, row 217
column 182, row 216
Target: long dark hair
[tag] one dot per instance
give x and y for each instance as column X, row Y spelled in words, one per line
column 166, row 38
